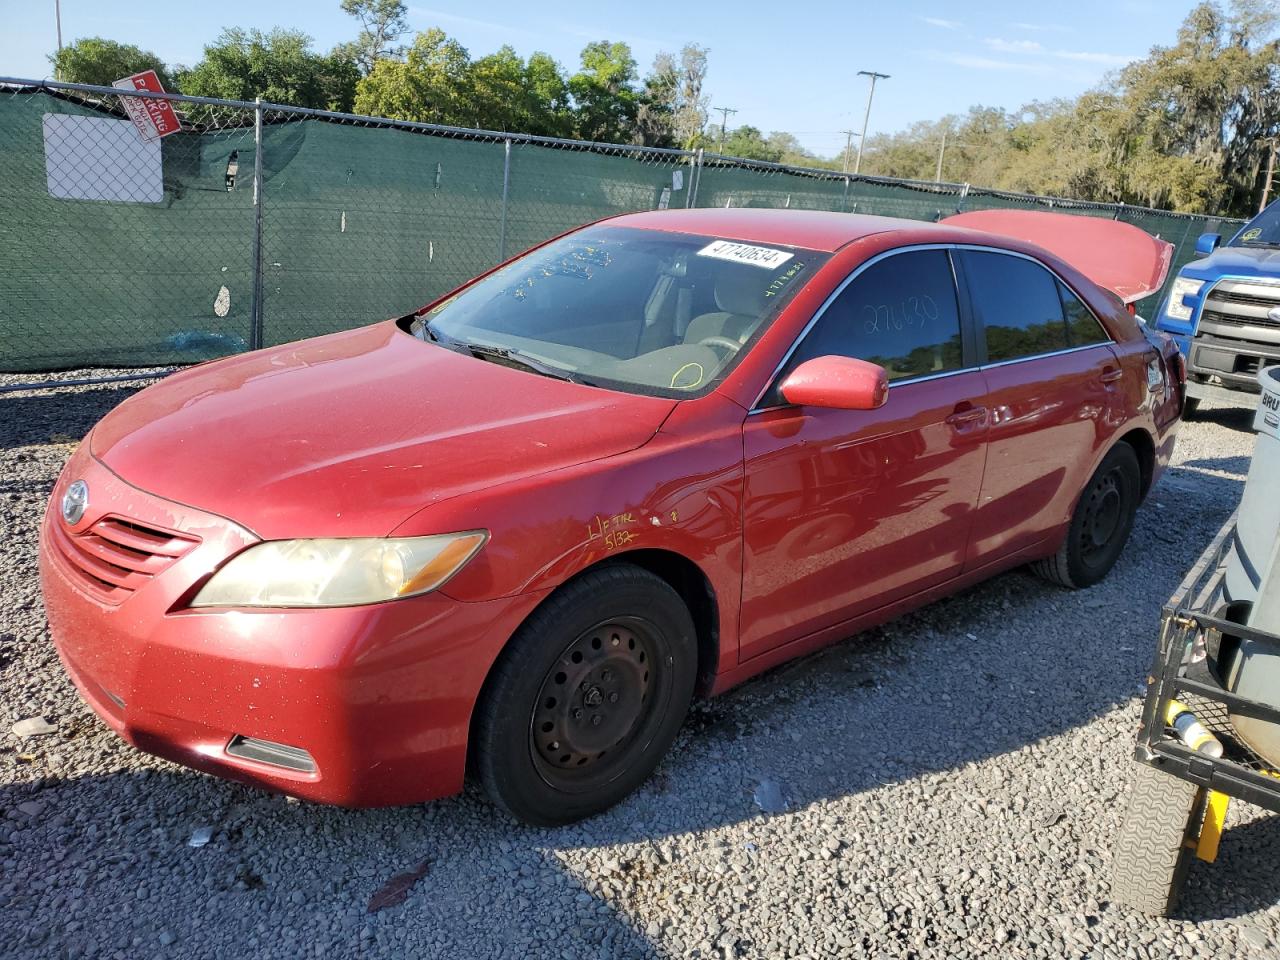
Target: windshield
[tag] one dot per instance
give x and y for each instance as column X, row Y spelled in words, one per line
column 641, row 310
column 1262, row 231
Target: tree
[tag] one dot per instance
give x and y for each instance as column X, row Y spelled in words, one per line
column 279, row 66
column 511, row 95
column 100, row 61
column 671, row 110
column 431, row 85
column 547, row 90
column 750, row 144
column 691, row 104
column 656, row 104
column 382, row 23
column 604, row 96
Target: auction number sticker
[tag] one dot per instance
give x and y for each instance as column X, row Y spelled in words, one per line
column 765, row 257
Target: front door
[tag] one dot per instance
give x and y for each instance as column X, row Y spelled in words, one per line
column 847, row 510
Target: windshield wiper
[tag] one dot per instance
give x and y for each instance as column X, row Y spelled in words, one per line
column 428, row 332
column 514, row 358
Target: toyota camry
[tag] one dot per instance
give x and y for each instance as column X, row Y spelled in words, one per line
column 513, row 534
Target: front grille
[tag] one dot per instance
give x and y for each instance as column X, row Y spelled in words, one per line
column 115, row 556
column 1241, row 303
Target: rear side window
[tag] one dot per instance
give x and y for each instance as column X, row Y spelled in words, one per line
column 1083, row 328
column 1018, row 304
column 900, row 313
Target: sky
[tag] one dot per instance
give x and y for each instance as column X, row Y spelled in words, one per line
column 782, row 67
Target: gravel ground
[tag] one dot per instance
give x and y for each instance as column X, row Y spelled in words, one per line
column 952, row 785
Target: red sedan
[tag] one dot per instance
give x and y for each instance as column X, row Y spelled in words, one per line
column 517, row 531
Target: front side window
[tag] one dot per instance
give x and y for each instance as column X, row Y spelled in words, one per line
column 900, row 313
column 647, row 311
column 1017, row 303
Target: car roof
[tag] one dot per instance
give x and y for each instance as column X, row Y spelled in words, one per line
column 812, row 229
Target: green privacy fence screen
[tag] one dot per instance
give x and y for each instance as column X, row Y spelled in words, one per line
column 121, row 253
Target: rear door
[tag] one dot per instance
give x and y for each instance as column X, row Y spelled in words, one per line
column 847, row 510
column 1052, row 382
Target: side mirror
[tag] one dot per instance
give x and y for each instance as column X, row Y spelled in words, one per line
column 1208, row 242
column 839, row 383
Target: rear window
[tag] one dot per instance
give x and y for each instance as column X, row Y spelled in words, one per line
column 1018, row 304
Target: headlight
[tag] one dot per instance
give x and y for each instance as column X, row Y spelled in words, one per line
column 1182, row 287
column 338, row 573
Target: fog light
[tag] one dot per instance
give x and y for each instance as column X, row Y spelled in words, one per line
column 275, row 754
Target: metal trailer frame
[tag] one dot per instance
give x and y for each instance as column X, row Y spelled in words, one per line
column 1198, row 614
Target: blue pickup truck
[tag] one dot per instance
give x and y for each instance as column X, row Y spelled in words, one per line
column 1224, row 312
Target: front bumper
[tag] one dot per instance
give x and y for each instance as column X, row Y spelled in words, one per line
column 380, row 696
column 1216, row 365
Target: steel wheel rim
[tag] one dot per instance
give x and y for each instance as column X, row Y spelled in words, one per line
column 1104, row 514
column 594, row 703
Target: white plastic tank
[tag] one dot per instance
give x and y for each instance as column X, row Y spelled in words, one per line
column 1253, row 573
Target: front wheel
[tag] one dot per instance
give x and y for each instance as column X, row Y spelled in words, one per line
column 587, row 697
column 1101, row 524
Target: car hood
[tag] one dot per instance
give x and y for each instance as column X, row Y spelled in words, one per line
column 350, row 434
column 1236, row 262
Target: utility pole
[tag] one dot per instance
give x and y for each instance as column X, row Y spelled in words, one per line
column 848, row 148
column 937, row 177
column 1266, row 185
column 724, row 122
column 57, row 19
column 867, row 116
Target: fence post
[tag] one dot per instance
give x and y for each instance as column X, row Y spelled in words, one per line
column 844, row 197
column 696, row 177
column 506, row 186
column 255, row 322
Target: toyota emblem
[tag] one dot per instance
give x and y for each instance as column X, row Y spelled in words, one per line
column 75, row 502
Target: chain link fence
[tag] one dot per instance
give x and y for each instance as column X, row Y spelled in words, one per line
column 258, row 224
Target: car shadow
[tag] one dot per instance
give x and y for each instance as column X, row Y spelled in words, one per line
column 1233, row 418
column 1236, row 465
column 56, row 416
column 1243, row 880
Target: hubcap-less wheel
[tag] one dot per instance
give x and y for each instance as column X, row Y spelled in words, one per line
column 1103, row 513
column 586, row 697
column 1100, row 524
column 592, row 701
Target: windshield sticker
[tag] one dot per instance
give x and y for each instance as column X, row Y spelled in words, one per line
column 765, row 257
column 1248, row 235
column 780, row 283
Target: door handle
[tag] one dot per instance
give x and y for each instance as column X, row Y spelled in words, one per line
column 966, row 415
column 1111, row 375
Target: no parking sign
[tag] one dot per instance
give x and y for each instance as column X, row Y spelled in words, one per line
column 153, row 117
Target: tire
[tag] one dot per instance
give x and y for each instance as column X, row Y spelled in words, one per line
column 1153, row 850
column 1100, row 525
column 586, row 698
column 1190, row 406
